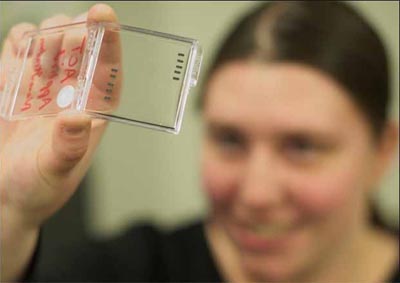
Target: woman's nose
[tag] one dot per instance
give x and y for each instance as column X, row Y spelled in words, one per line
column 261, row 186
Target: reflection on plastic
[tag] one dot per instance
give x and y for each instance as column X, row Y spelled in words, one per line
column 111, row 71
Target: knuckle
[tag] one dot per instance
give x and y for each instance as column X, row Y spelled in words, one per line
column 59, row 19
column 73, row 154
column 18, row 30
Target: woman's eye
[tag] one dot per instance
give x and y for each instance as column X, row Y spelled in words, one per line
column 302, row 145
column 302, row 149
column 228, row 140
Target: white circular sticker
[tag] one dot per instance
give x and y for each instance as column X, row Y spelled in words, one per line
column 65, row 96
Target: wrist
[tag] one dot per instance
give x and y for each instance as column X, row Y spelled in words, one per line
column 18, row 243
column 13, row 225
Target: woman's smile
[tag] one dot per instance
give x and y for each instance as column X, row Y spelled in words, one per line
column 265, row 237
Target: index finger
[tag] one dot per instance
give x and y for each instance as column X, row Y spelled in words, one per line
column 111, row 45
column 107, row 80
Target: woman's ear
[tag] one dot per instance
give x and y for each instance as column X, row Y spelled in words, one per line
column 387, row 148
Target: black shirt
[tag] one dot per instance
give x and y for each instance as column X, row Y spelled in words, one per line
column 143, row 254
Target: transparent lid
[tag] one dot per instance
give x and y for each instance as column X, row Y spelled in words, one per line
column 111, row 71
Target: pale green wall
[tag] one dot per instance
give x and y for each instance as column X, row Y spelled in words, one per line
column 140, row 173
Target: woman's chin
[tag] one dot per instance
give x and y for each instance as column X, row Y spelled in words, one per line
column 270, row 269
column 276, row 259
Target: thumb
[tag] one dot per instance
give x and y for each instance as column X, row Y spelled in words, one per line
column 68, row 145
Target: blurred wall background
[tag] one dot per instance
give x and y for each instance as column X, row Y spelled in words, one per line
column 141, row 174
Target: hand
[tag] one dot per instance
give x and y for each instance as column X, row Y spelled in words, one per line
column 43, row 160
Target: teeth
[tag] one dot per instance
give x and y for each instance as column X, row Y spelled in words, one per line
column 270, row 230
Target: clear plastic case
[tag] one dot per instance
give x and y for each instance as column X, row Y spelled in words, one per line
column 111, row 71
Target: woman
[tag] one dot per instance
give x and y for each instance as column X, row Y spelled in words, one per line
column 297, row 137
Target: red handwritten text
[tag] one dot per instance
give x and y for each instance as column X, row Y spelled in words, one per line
column 44, row 95
column 38, row 71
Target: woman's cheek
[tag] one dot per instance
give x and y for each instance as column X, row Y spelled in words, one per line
column 325, row 193
column 219, row 181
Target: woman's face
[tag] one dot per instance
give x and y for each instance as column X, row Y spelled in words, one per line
column 287, row 163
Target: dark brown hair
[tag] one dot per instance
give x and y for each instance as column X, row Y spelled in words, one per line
column 329, row 36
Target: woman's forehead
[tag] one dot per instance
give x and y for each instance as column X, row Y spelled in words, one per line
column 284, row 77
column 281, row 93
